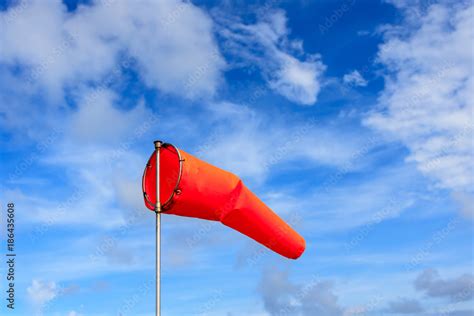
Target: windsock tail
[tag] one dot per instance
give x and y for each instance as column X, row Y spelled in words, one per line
column 251, row 217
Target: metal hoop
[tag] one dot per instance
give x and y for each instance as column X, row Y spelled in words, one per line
column 176, row 188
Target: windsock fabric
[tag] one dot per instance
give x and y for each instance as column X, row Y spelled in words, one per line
column 193, row 188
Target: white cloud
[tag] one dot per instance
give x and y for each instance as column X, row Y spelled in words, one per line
column 250, row 145
column 283, row 297
column 40, row 292
column 457, row 289
column 428, row 98
column 98, row 153
column 99, row 120
column 354, row 78
column 170, row 41
column 266, row 44
column 297, row 80
column 383, row 197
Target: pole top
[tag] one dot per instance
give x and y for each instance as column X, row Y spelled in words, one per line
column 158, row 143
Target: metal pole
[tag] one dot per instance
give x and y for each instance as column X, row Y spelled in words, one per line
column 158, row 230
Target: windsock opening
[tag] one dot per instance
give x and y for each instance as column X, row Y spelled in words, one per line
column 171, row 169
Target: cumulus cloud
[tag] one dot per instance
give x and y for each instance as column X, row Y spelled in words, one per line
column 405, row 306
column 427, row 102
column 170, row 41
column 354, row 78
column 267, row 45
column 282, row 297
column 457, row 289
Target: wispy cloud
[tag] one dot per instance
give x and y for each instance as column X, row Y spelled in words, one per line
column 427, row 100
column 354, row 78
column 252, row 145
column 268, row 46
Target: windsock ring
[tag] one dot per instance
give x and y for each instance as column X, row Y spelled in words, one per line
column 175, row 190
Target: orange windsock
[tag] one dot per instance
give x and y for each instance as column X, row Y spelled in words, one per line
column 193, row 188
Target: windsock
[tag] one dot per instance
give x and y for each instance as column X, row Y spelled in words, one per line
column 191, row 187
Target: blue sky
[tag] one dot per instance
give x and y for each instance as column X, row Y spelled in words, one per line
column 352, row 119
